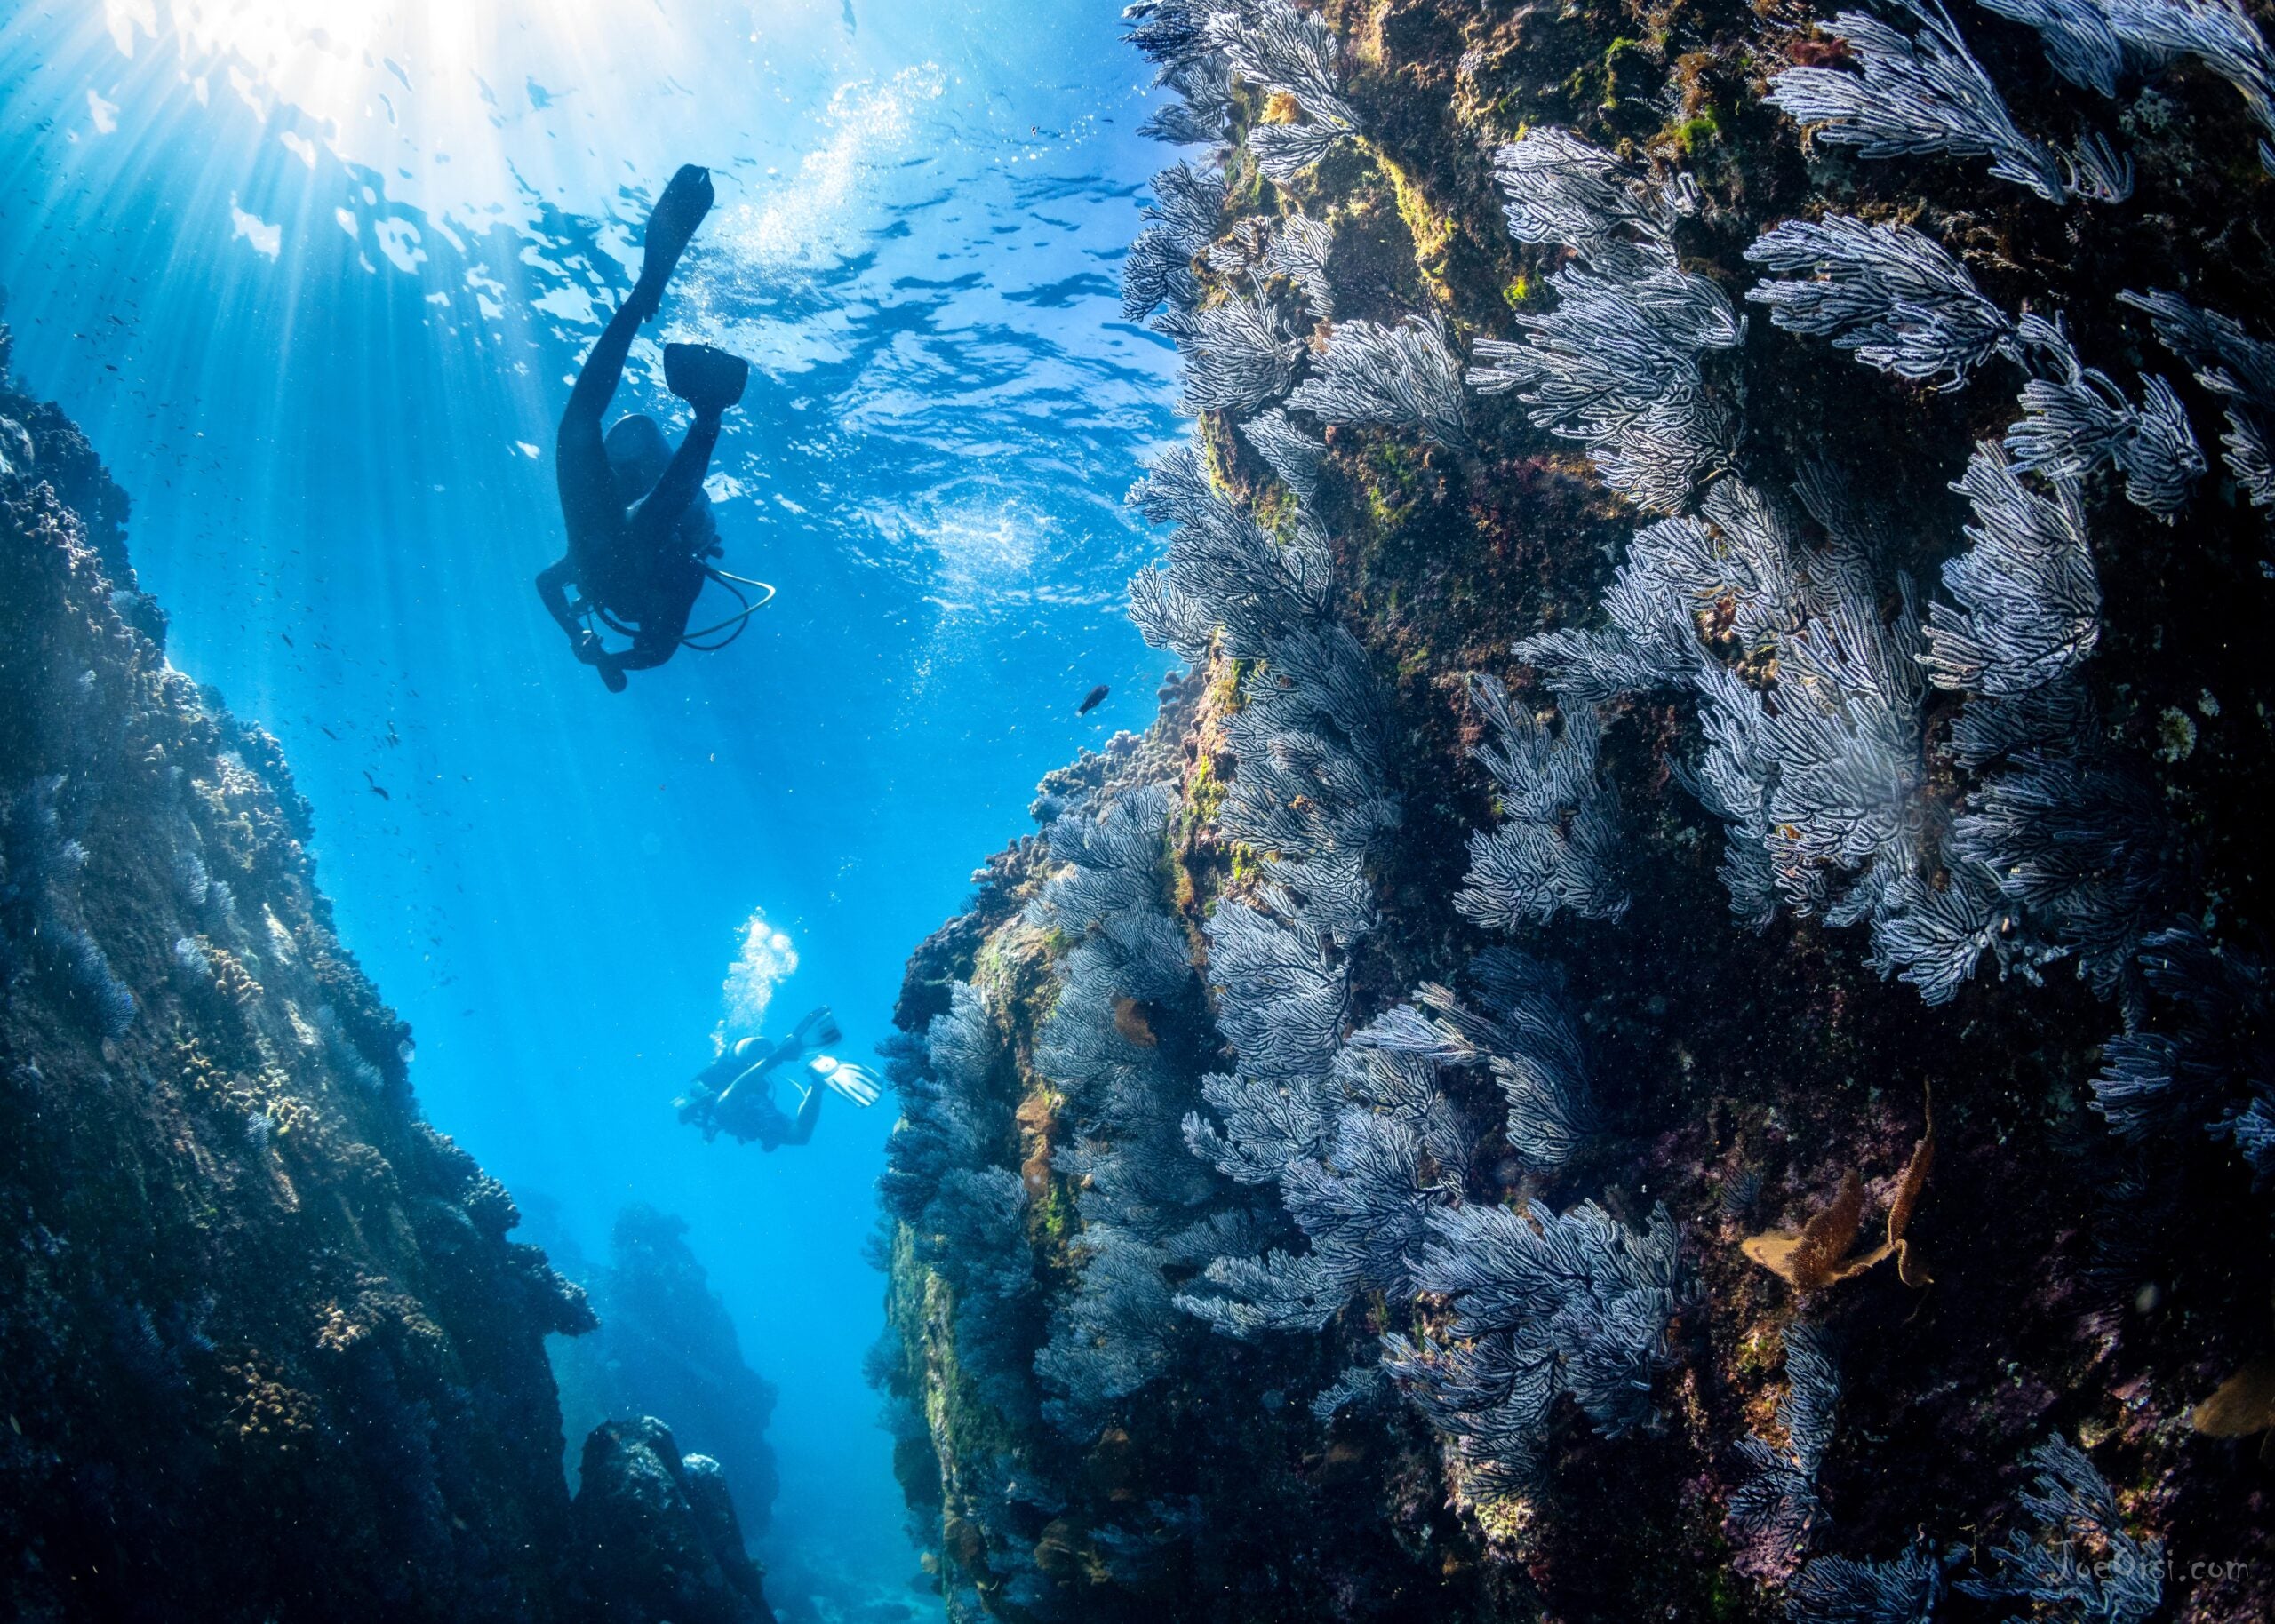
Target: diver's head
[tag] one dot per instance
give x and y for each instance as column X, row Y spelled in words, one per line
column 637, row 455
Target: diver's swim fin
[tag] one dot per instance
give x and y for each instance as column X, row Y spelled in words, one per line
column 671, row 223
column 705, row 378
column 818, row 1030
column 856, row 1083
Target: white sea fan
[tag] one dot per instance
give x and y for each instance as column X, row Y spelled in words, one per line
column 1615, row 364
column 1404, row 377
column 2218, row 34
column 2073, row 1510
column 1924, row 94
column 1556, row 187
column 2028, row 598
column 2080, row 39
column 1556, row 845
column 1298, row 251
column 1270, row 43
column 2233, row 365
column 1885, row 291
column 2077, row 417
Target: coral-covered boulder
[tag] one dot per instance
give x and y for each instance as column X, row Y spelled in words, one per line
column 658, row 1532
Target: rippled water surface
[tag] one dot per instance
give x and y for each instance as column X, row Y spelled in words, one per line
column 316, row 291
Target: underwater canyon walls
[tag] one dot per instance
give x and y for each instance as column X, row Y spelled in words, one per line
column 267, row 1350
column 1671, row 1019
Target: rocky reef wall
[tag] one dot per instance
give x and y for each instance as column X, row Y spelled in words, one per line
column 666, row 1346
column 1671, row 1021
column 267, row 1351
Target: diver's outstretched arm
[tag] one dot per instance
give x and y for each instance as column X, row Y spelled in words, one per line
column 808, row 1113
column 551, row 582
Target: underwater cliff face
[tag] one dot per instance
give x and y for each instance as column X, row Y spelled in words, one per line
column 265, row 1350
column 1671, row 1019
column 266, row 1347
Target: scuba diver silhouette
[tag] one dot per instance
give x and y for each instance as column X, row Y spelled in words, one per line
column 736, row 1091
column 640, row 534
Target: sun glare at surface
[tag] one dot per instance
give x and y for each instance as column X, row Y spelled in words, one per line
column 475, row 111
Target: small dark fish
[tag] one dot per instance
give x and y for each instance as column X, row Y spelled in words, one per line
column 1092, row 700
column 287, row 641
column 328, row 733
column 376, row 790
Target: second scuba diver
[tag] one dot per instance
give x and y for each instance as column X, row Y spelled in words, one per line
column 641, row 532
column 734, row 1093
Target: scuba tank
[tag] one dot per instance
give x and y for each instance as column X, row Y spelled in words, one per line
column 818, row 1030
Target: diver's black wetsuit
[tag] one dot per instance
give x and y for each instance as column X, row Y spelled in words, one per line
column 630, row 561
column 637, row 558
column 734, row 1093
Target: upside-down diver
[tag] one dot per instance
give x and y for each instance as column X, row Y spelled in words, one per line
column 640, row 534
column 736, row 1092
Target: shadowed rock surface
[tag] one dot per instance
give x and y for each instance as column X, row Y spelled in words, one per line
column 266, row 1350
column 659, row 1531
